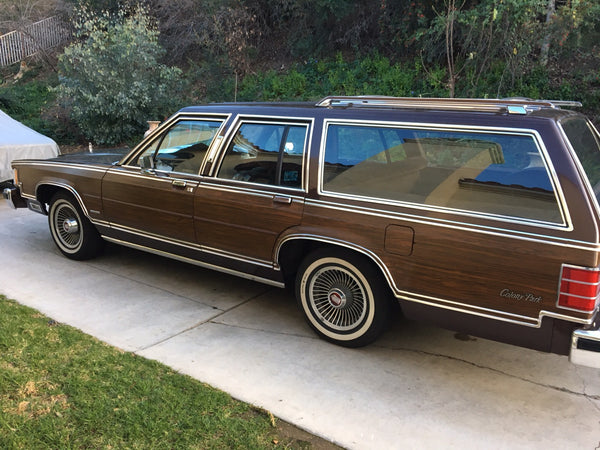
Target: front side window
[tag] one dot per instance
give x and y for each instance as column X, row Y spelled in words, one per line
column 266, row 153
column 492, row 173
column 182, row 148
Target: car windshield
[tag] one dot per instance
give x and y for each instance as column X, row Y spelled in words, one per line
column 586, row 142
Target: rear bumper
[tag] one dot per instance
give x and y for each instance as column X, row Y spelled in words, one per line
column 585, row 348
column 13, row 197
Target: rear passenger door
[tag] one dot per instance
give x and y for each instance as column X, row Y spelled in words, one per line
column 256, row 190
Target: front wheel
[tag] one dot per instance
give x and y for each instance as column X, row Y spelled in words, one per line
column 72, row 232
column 343, row 296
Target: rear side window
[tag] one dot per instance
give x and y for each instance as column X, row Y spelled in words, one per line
column 586, row 143
column 266, row 153
column 491, row 173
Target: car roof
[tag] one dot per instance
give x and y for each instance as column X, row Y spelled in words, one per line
column 511, row 106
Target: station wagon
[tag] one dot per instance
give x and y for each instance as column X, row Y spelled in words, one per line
column 481, row 216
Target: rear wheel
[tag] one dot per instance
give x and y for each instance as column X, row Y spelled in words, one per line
column 72, row 232
column 343, row 296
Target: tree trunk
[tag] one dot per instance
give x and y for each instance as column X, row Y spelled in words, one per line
column 545, row 50
column 450, row 17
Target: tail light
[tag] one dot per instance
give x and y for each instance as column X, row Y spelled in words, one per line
column 579, row 288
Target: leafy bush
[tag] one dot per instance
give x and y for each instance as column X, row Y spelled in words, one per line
column 26, row 101
column 371, row 75
column 111, row 79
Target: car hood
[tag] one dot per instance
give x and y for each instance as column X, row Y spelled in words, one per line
column 96, row 157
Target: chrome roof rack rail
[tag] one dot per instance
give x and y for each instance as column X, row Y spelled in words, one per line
column 567, row 103
column 510, row 105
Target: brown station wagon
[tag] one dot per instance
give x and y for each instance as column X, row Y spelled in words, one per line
column 481, row 216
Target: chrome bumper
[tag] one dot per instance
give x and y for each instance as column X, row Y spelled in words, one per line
column 585, row 348
column 13, row 197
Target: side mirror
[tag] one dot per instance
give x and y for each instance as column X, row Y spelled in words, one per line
column 147, row 163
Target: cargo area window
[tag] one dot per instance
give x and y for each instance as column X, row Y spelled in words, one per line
column 266, row 153
column 585, row 141
column 491, row 173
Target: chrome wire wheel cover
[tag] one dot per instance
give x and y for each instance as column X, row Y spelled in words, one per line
column 338, row 298
column 67, row 226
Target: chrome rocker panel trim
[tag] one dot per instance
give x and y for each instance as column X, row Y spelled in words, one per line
column 195, row 262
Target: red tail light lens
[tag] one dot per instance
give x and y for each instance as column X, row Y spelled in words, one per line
column 579, row 288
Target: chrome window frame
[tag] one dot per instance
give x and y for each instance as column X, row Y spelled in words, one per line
column 581, row 171
column 566, row 224
column 148, row 140
column 241, row 119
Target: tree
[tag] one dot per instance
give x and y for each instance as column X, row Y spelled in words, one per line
column 111, row 77
column 545, row 49
column 16, row 15
column 474, row 41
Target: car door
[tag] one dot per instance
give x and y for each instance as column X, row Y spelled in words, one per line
column 256, row 190
column 152, row 194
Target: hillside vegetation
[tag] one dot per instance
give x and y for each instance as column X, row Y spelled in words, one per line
column 143, row 60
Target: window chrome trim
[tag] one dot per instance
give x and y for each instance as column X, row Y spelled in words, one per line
column 259, row 191
column 130, row 171
column 566, row 225
column 581, row 171
column 212, row 152
column 177, row 117
column 438, row 302
column 241, row 119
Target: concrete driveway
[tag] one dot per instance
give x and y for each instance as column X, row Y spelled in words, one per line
column 417, row 387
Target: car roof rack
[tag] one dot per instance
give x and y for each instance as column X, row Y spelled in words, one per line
column 510, row 105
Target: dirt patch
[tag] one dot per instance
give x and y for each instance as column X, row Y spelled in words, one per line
column 296, row 438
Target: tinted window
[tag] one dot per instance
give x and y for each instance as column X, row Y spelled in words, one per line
column 585, row 140
column 492, row 173
column 183, row 147
column 266, row 153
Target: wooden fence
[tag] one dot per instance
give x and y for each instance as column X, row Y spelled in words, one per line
column 42, row 35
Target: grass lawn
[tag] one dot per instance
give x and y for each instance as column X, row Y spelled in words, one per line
column 60, row 388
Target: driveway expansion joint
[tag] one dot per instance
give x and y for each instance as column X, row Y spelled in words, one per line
column 262, row 330
column 202, row 322
column 590, row 397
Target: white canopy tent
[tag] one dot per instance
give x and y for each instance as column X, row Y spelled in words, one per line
column 20, row 142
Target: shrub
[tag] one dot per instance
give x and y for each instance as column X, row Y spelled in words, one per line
column 111, row 79
column 370, row 75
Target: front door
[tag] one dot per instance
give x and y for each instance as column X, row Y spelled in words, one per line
column 152, row 194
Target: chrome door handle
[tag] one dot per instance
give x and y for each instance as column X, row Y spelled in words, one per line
column 179, row 183
column 283, row 199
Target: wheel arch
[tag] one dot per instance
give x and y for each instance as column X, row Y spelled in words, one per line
column 293, row 249
column 45, row 190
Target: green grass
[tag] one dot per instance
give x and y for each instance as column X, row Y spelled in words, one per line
column 60, row 388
